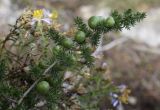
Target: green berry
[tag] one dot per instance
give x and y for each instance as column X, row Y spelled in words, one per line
column 73, row 58
column 67, row 43
column 94, row 21
column 43, row 87
column 80, row 37
column 56, row 49
column 109, row 22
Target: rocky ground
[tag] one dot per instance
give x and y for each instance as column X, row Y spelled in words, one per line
column 140, row 71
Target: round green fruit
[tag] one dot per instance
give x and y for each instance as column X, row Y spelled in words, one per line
column 109, row 22
column 56, row 49
column 67, row 43
column 73, row 58
column 94, row 21
column 80, row 37
column 43, row 87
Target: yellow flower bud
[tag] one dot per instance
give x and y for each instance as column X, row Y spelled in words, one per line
column 54, row 15
column 124, row 97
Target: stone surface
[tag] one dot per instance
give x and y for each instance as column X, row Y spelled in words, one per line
column 8, row 15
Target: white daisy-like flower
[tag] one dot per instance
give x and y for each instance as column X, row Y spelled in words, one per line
column 44, row 15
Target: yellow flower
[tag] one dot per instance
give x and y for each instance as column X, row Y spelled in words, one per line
column 54, row 15
column 38, row 14
column 124, row 97
column 44, row 16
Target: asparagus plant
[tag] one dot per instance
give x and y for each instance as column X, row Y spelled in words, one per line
column 36, row 57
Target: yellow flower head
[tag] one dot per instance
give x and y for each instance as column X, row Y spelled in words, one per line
column 38, row 14
column 54, row 15
column 124, row 97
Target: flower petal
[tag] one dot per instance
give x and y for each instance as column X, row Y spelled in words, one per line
column 46, row 13
column 47, row 20
column 33, row 21
column 115, row 103
column 113, row 95
column 122, row 87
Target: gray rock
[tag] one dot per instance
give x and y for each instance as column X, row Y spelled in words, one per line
column 8, row 14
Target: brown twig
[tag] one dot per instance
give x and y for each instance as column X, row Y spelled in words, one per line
column 12, row 32
column 109, row 46
column 114, row 43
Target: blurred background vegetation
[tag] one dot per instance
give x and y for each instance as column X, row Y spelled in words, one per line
column 134, row 62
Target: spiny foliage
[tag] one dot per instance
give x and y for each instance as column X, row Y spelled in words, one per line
column 125, row 20
column 41, row 52
column 2, row 68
